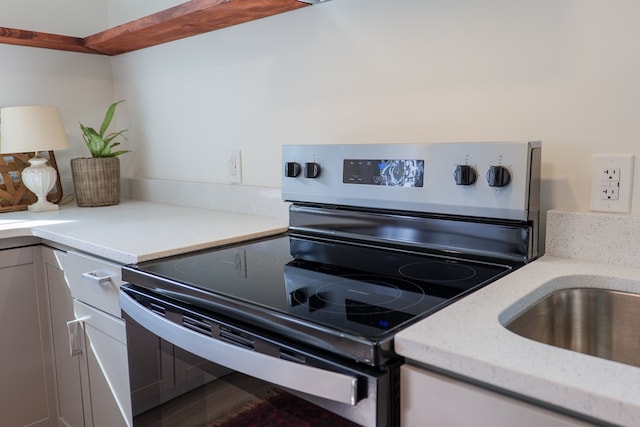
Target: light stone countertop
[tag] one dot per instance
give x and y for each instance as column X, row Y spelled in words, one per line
column 468, row 338
column 136, row 231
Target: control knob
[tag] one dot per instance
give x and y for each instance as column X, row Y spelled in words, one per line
column 312, row 170
column 465, row 175
column 292, row 169
column 498, row 176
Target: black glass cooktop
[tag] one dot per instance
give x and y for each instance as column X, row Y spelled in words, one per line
column 357, row 289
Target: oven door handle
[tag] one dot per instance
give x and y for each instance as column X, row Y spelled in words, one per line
column 307, row 379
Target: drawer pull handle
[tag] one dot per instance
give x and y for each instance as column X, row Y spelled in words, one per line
column 98, row 277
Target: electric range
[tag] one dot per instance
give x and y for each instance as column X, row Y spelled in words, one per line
column 380, row 236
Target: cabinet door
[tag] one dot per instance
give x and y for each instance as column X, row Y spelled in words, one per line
column 25, row 375
column 67, row 367
column 105, row 355
column 93, row 382
column 443, row 401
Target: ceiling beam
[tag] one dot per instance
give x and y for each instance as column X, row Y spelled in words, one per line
column 43, row 40
column 184, row 20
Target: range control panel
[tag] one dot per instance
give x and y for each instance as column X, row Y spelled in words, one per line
column 492, row 179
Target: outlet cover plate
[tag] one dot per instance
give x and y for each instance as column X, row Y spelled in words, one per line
column 611, row 182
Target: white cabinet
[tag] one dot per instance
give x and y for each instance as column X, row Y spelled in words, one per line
column 431, row 399
column 105, row 370
column 91, row 366
column 67, row 368
column 26, row 378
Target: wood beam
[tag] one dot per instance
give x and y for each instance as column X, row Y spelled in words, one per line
column 43, row 40
column 185, row 20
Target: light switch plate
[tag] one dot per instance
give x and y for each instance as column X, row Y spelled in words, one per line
column 234, row 167
column 611, row 182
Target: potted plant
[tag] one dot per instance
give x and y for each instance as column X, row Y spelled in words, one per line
column 96, row 179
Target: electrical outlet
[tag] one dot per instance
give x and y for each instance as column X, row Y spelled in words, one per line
column 611, row 182
column 234, row 167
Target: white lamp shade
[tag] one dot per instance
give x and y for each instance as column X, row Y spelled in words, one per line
column 30, row 129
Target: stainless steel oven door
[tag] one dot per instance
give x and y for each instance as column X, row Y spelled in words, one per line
column 174, row 351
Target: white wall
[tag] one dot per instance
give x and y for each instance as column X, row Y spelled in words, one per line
column 350, row 71
column 353, row 71
column 80, row 85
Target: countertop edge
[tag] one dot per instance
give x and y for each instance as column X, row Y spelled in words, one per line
column 136, row 231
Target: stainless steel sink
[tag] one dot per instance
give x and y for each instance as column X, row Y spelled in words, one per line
column 599, row 322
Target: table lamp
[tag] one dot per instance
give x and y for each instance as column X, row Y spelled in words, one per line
column 33, row 129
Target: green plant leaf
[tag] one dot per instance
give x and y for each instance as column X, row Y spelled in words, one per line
column 108, row 117
column 111, row 136
column 117, row 153
column 98, row 144
column 106, row 151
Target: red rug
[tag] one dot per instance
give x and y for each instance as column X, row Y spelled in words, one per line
column 281, row 410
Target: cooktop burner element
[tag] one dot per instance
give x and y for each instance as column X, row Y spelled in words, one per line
column 328, row 293
column 437, row 271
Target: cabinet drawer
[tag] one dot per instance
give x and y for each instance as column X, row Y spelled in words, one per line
column 93, row 281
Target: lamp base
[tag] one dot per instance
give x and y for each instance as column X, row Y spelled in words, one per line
column 40, row 179
column 42, row 207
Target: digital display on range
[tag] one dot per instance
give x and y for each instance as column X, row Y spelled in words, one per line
column 390, row 173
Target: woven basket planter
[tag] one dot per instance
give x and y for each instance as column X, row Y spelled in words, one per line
column 96, row 181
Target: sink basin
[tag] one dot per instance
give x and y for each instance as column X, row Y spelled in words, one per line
column 599, row 322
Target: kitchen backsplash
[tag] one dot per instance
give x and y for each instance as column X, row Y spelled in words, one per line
column 223, row 197
column 591, row 236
